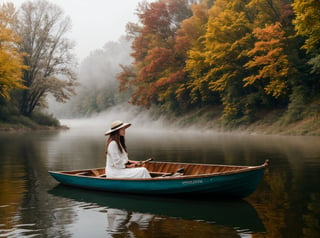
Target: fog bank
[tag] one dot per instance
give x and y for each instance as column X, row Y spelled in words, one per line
column 143, row 121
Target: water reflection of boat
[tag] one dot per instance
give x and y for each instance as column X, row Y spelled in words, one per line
column 237, row 214
column 196, row 179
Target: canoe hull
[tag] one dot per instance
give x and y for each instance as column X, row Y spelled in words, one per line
column 240, row 184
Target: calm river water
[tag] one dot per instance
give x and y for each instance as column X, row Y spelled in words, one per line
column 32, row 204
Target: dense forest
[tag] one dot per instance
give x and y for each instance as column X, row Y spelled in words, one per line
column 243, row 57
column 239, row 60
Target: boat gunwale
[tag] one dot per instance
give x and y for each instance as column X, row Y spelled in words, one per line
column 242, row 169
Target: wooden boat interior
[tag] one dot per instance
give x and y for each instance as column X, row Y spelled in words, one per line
column 163, row 169
column 188, row 169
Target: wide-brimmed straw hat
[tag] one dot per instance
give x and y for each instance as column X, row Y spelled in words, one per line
column 117, row 125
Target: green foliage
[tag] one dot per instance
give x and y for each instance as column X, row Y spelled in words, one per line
column 307, row 24
column 44, row 119
column 20, row 120
column 296, row 107
column 7, row 110
column 10, row 115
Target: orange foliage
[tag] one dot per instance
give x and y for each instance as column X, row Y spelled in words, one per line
column 270, row 60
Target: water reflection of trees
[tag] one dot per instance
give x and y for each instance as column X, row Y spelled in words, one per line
column 49, row 215
column 11, row 195
column 311, row 219
column 284, row 202
column 12, row 185
column 26, row 207
column 272, row 203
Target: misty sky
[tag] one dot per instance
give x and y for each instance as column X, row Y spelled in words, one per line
column 94, row 22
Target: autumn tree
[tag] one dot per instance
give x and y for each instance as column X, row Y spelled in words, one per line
column 190, row 40
column 220, row 64
column 157, row 68
column 242, row 54
column 307, row 24
column 270, row 60
column 42, row 28
column 226, row 39
column 11, row 63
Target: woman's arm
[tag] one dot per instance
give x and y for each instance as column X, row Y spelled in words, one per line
column 132, row 164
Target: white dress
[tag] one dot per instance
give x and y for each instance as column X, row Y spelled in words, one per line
column 116, row 164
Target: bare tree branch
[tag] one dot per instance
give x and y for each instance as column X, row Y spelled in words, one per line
column 42, row 27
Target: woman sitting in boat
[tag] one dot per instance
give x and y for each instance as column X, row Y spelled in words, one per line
column 118, row 164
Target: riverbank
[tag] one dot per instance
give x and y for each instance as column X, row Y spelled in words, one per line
column 38, row 121
column 269, row 123
column 7, row 127
column 305, row 127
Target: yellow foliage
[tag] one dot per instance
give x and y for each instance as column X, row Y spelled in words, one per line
column 307, row 22
column 195, row 63
column 11, row 63
column 229, row 110
column 275, row 88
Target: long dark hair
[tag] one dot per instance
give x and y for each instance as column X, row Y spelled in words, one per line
column 120, row 140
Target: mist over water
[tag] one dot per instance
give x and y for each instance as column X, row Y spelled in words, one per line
column 149, row 136
column 143, row 122
column 150, row 133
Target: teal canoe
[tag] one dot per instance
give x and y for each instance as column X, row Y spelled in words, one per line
column 192, row 179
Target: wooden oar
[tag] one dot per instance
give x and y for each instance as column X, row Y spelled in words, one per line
column 141, row 163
